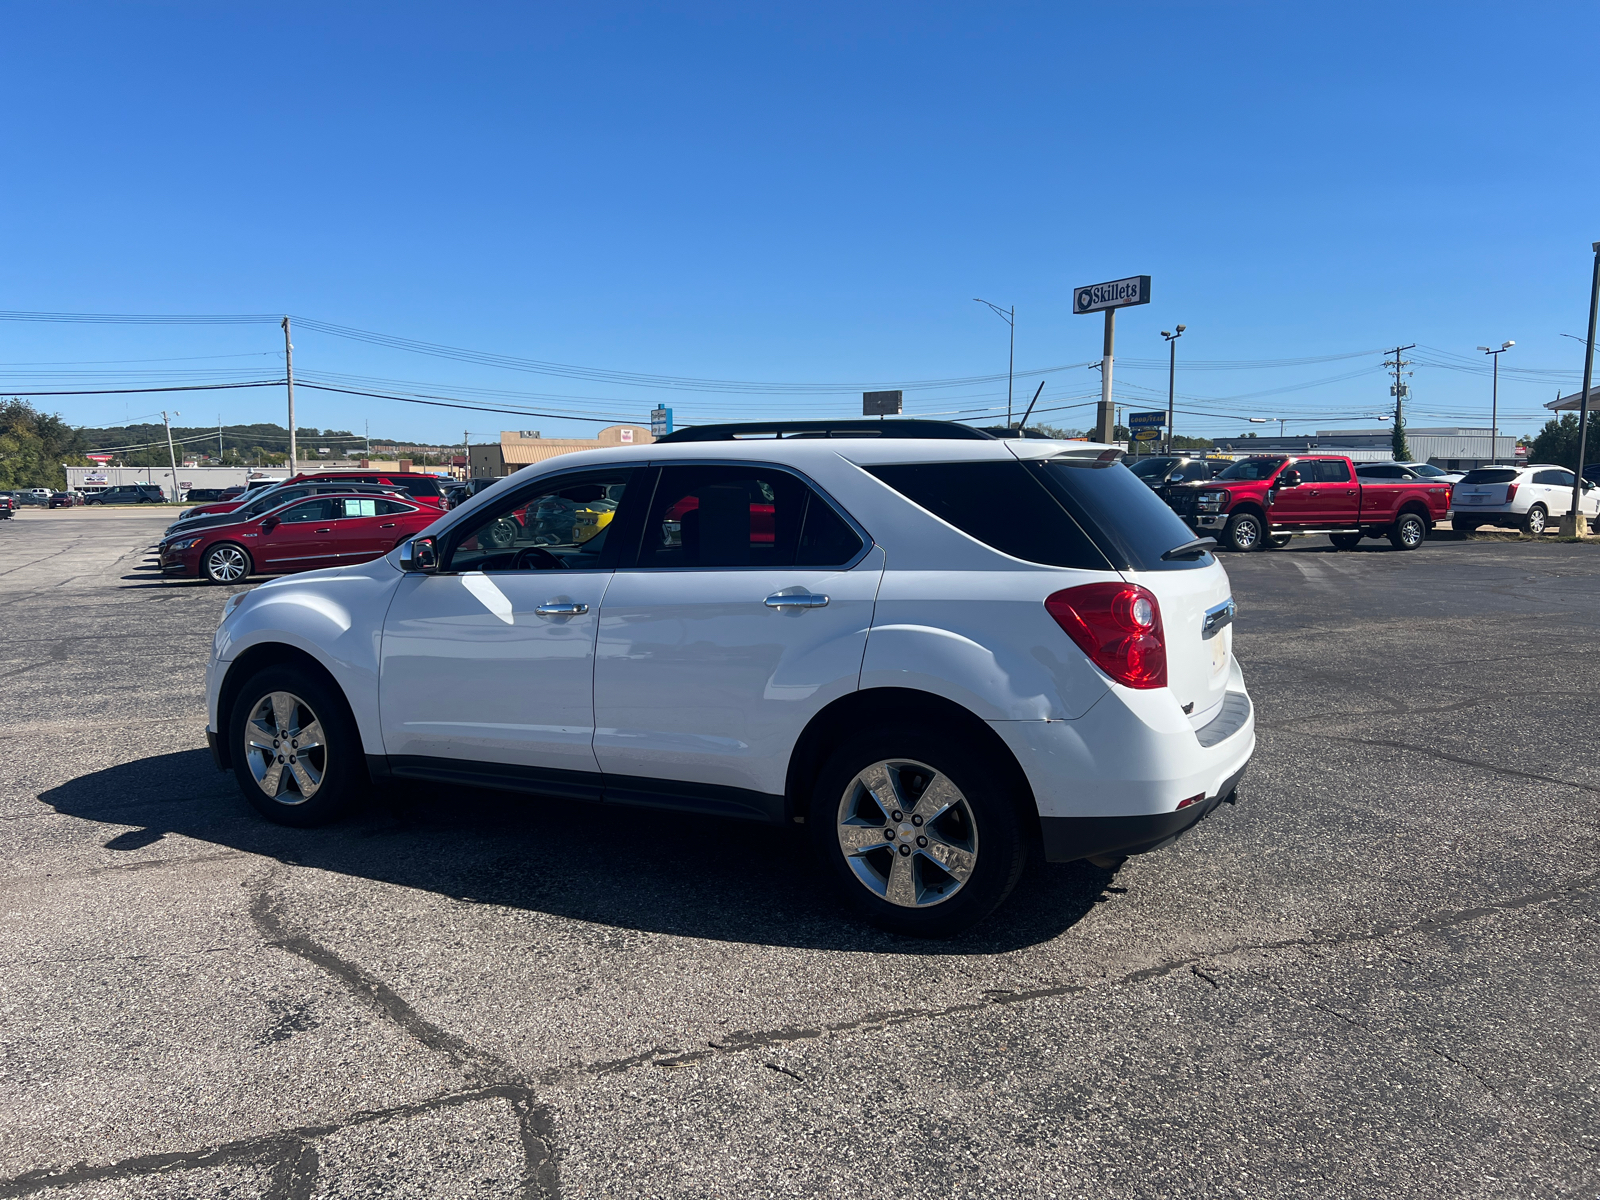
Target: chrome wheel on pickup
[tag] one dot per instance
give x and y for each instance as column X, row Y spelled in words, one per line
column 1408, row 532
column 1243, row 532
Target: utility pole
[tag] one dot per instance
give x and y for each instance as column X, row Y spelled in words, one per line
column 1010, row 318
column 219, row 438
column 172, row 455
column 1494, row 404
column 466, row 454
column 1172, row 377
column 1400, row 449
column 1576, row 523
column 288, row 358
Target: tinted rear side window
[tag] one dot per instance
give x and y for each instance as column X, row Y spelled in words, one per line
column 419, row 487
column 1490, row 475
column 1006, row 507
column 1130, row 523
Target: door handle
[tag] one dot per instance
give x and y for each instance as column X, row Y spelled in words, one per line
column 327, row 530
column 796, row 600
column 389, row 525
column 562, row 609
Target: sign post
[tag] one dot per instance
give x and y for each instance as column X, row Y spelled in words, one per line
column 1146, row 426
column 1107, row 298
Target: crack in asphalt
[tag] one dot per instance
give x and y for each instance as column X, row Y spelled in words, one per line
column 1429, row 751
column 293, row 1156
column 742, row 1040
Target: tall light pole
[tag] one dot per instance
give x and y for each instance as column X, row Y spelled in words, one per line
column 1172, row 377
column 1269, row 420
column 172, row 455
column 1494, row 404
column 1576, row 524
column 1010, row 318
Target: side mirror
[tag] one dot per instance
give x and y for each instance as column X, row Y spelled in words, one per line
column 420, row 554
column 268, row 525
column 1289, row 478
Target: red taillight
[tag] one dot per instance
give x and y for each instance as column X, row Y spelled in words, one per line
column 1511, row 490
column 1118, row 625
column 1191, row 800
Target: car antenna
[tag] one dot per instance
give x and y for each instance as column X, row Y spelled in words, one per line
column 1023, row 424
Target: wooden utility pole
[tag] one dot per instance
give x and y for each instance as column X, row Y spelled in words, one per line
column 288, row 359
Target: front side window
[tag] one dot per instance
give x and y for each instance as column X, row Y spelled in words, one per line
column 320, row 509
column 561, row 524
column 738, row 516
column 1252, row 470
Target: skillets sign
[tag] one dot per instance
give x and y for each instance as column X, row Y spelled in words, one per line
column 1120, row 293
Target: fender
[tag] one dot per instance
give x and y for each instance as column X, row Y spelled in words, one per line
column 338, row 622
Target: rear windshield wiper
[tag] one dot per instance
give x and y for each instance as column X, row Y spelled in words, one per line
column 1192, row 549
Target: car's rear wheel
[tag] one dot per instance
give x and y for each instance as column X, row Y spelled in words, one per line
column 1243, row 532
column 226, row 563
column 295, row 747
column 1408, row 532
column 920, row 831
column 1535, row 521
column 1345, row 541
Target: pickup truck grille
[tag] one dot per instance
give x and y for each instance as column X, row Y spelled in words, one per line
column 1183, row 502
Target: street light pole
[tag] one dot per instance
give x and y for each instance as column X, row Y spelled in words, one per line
column 1010, row 318
column 1172, row 377
column 1494, row 409
column 1577, row 523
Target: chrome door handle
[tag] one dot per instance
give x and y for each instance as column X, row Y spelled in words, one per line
column 390, row 525
column 796, row 600
column 561, row 610
column 327, row 530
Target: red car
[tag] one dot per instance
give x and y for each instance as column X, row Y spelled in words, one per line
column 302, row 535
column 424, row 489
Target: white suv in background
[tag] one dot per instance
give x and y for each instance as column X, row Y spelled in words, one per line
column 1525, row 498
column 931, row 647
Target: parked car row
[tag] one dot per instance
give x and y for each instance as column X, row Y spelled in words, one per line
column 38, row 497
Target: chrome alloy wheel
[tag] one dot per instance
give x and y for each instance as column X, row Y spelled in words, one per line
column 285, row 747
column 907, row 833
column 1412, row 531
column 226, row 564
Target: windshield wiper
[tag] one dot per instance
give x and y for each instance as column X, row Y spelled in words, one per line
column 1192, row 549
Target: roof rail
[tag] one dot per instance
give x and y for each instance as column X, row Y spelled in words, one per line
column 904, row 428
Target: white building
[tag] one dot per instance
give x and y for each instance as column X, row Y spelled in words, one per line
column 97, row 479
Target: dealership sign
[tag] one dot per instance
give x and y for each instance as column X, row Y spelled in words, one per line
column 1097, row 297
column 1147, row 420
column 99, row 458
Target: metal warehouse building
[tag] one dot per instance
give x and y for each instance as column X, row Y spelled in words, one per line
column 1453, row 449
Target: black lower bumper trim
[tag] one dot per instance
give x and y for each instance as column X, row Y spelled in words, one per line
column 1067, row 839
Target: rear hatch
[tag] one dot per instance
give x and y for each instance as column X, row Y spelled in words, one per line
column 1135, row 529
column 1484, row 486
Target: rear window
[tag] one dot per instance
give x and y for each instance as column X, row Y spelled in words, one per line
column 1490, row 475
column 1064, row 513
column 418, row 487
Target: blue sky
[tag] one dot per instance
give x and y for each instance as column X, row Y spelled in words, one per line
column 801, row 194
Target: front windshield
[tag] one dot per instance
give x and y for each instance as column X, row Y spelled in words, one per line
column 1252, row 469
column 1150, row 468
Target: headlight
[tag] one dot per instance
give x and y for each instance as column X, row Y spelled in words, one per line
column 1211, row 501
column 183, row 543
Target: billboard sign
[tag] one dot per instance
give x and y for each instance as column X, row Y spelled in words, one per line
column 1146, row 435
column 1146, row 420
column 881, row 404
column 99, row 458
column 1119, row 293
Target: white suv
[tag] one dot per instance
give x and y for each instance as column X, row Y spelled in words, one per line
column 931, row 647
column 1523, row 498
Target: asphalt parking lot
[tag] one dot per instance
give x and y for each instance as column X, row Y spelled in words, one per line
column 1376, row 975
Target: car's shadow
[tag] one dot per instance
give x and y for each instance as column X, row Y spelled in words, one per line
column 632, row 868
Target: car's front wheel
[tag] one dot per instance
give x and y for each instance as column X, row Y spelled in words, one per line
column 1345, row 541
column 226, row 563
column 919, row 831
column 1243, row 532
column 295, row 747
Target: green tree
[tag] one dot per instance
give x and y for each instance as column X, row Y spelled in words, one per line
column 33, row 446
column 1402, row 452
column 1557, row 443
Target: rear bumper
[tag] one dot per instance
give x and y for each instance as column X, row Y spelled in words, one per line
column 1068, row 839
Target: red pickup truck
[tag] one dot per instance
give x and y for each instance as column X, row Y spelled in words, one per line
column 1266, row 498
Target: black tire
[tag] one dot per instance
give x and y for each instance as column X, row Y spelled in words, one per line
column 912, row 762
column 1277, row 541
column 1408, row 532
column 1244, row 532
column 226, row 562
column 1537, row 520
column 336, row 768
column 1345, row 541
